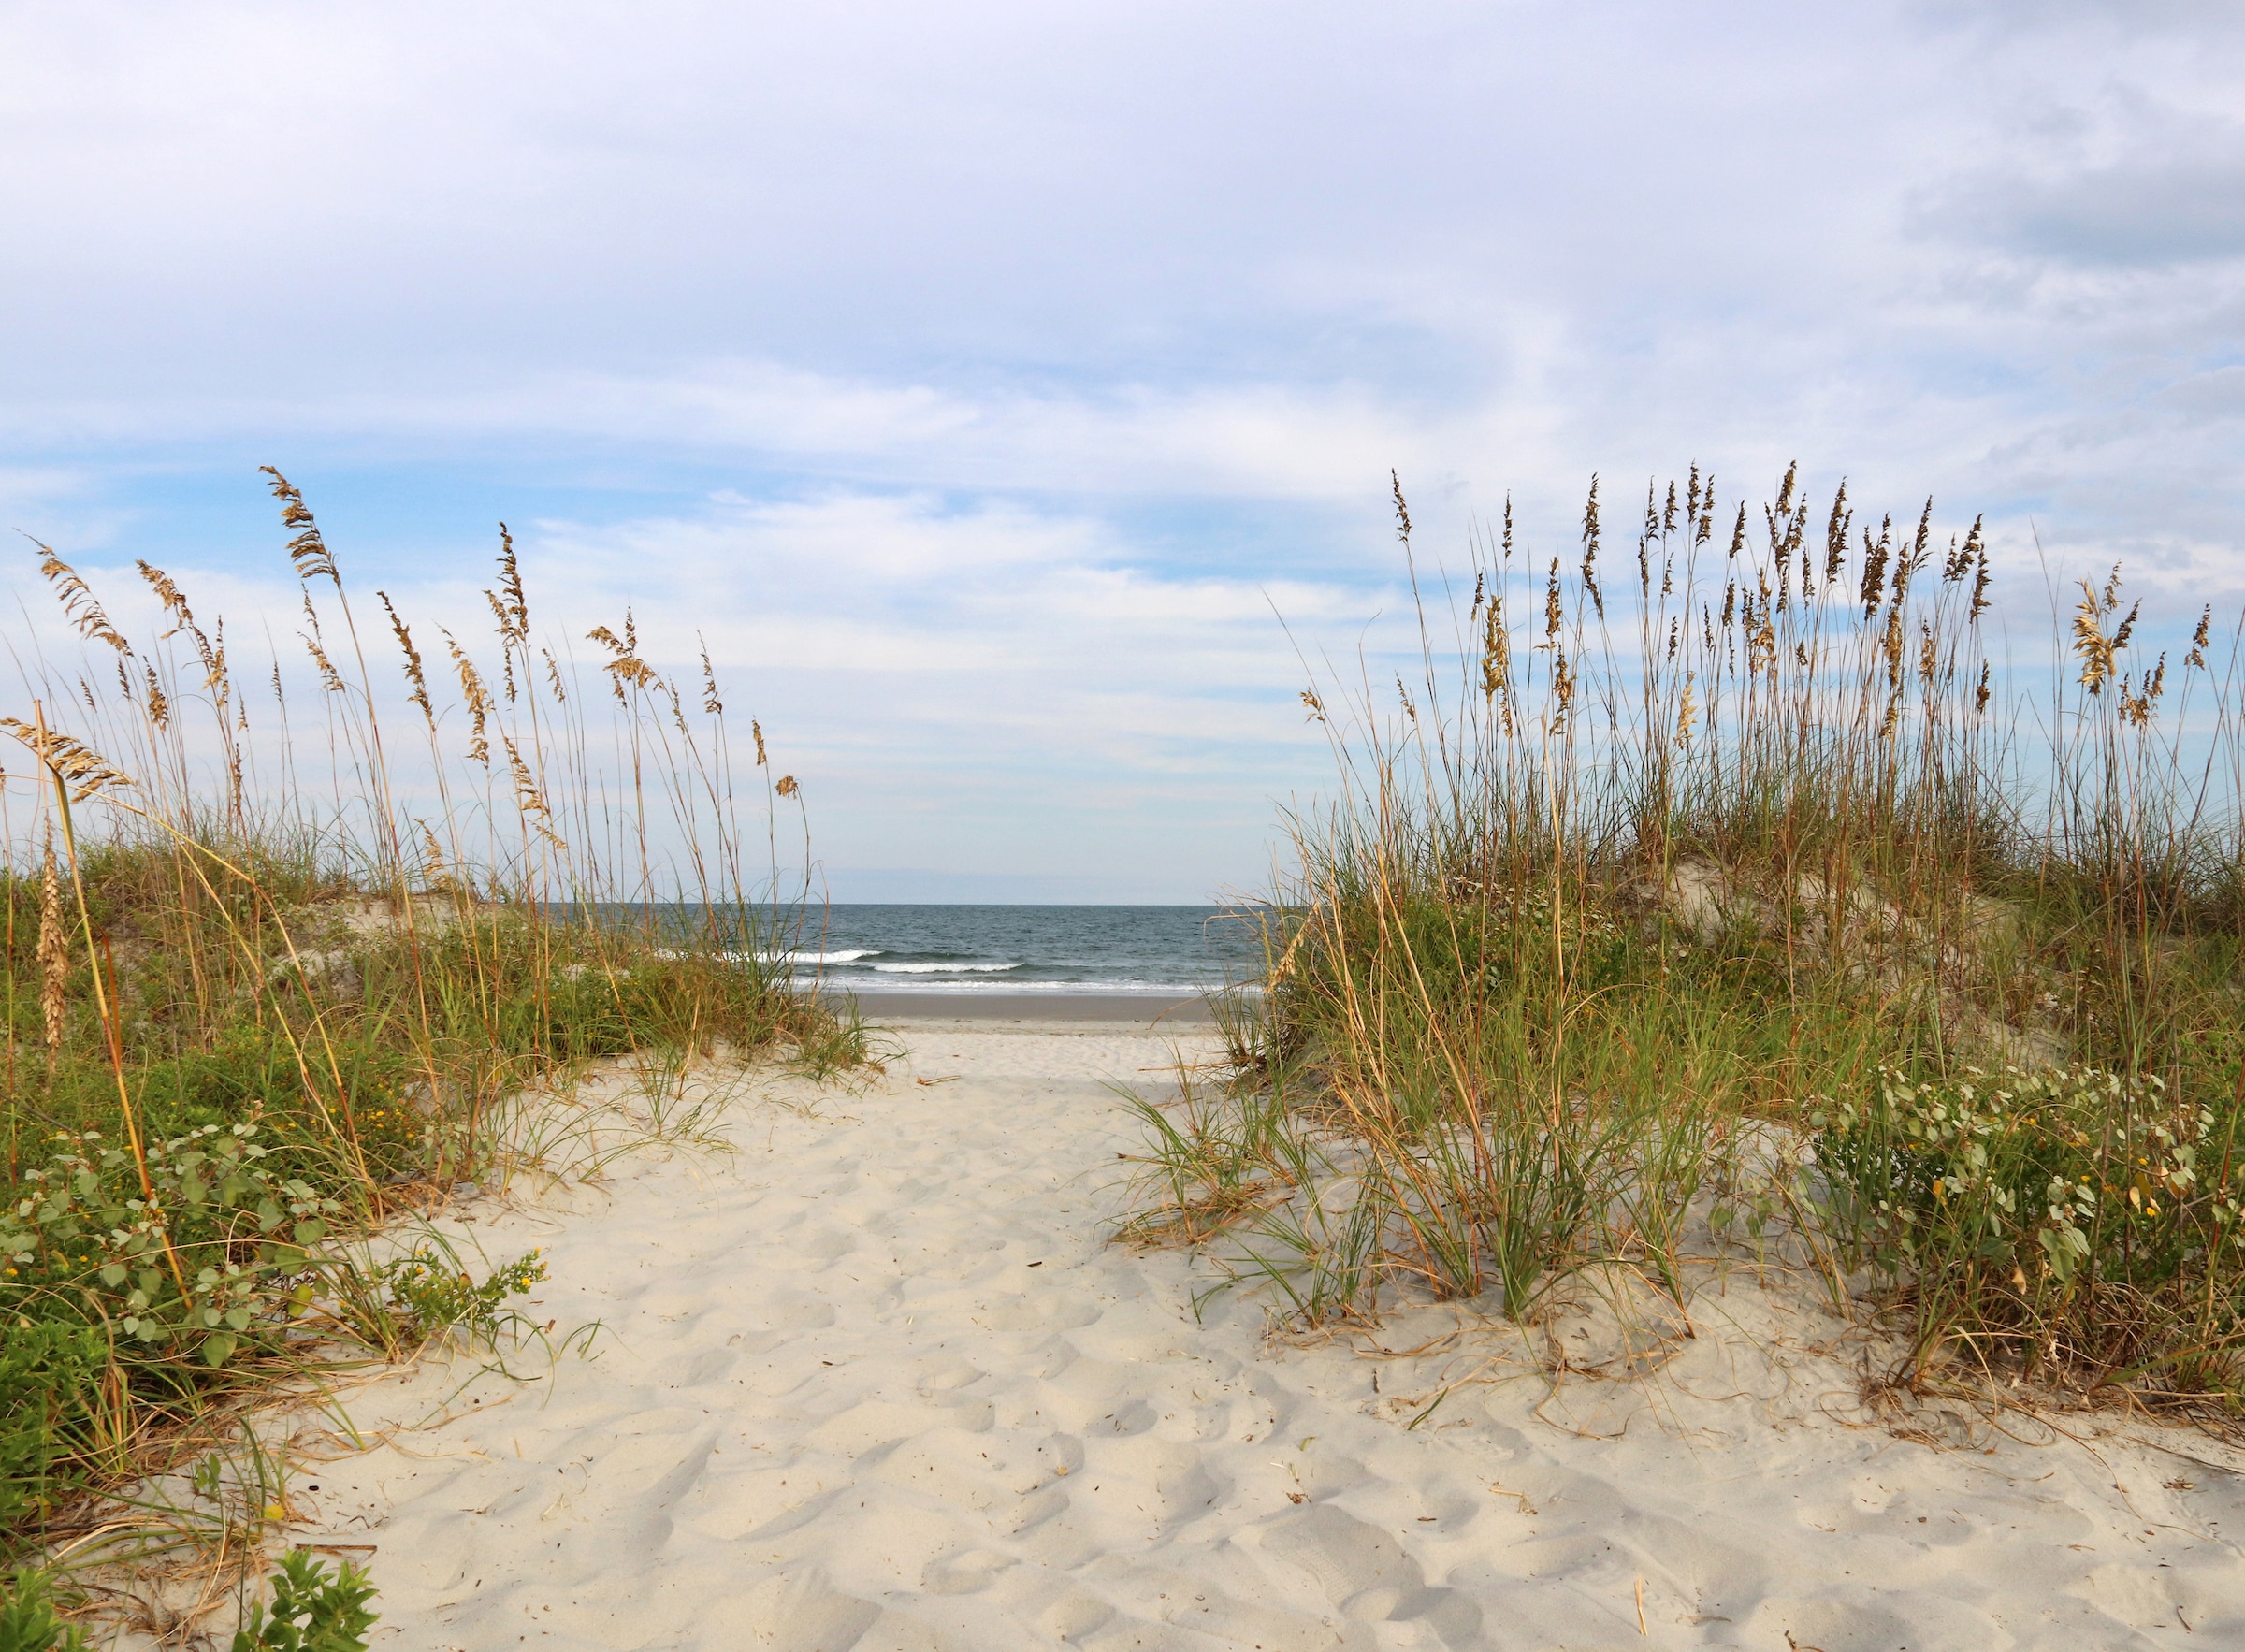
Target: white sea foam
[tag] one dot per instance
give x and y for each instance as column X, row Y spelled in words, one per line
column 945, row 968
column 874, row 988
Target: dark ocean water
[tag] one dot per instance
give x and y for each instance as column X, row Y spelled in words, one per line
column 872, row 948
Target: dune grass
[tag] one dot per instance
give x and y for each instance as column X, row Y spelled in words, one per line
column 1751, row 882
column 273, row 980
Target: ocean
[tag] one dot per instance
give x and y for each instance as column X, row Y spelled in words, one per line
column 867, row 949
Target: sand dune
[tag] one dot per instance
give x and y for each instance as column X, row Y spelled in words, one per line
column 874, row 1381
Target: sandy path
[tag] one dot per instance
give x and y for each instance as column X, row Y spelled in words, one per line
column 874, row 1382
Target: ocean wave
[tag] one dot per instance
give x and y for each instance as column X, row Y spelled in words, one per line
column 945, row 968
column 734, row 955
column 874, row 988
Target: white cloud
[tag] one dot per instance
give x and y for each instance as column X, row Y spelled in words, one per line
column 1023, row 348
column 989, row 690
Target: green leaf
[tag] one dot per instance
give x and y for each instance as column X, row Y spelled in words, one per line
column 238, row 1318
column 114, row 1274
column 27, row 1619
column 218, row 1347
column 311, row 1232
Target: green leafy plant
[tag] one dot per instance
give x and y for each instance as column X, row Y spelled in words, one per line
column 27, row 1619
column 48, row 1369
column 432, row 1298
column 187, row 1248
column 312, row 1611
column 2036, row 1219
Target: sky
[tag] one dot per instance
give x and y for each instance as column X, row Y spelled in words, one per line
column 1007, row 394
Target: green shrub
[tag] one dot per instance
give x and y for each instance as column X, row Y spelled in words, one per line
column 2029, row 1221
column 189, row 1248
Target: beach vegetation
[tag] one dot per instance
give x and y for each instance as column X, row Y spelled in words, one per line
column 279, row 983
column 1750, row 882
column 311, row 1611
column 28, row 1621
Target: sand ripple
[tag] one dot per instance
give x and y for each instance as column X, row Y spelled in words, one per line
column 874, row 1382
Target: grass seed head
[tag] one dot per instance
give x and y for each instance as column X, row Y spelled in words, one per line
column 307, row 550
column 172, row 597
column 1875, row 556
column 84, row 770
column 2198, row 637
column 1835, row 534
column 2092, row 647
column 414, row 677
column 78, row 603
column 331, row 679
column 478, row 698
column 1589, row 568
column 710, row 703
column 53, row 953
column 516, row 608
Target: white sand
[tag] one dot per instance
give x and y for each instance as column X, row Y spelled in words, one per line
column 874, row 1381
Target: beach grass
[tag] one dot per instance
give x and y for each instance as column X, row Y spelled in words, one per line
column 276, row 977
column 1745, row 880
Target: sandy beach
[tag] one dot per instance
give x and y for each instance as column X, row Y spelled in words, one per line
column 874, row 1379
column 882, row 828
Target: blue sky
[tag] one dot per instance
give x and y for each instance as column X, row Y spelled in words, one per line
column 979, row 379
